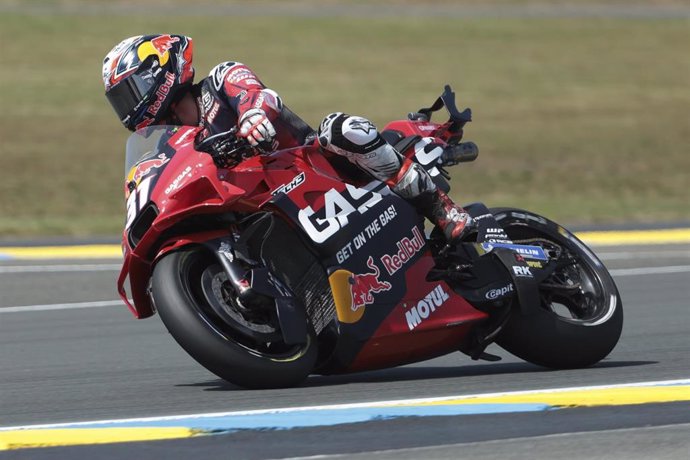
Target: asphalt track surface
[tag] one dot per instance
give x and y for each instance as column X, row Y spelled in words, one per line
column 75, row 355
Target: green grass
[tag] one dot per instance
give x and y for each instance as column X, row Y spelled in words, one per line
column 585, row 121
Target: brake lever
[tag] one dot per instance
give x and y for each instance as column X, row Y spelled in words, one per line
column 206, row 144
column 226, row 148
column 443, row 172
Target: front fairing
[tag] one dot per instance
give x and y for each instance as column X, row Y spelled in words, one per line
column 166, row 181
column 169, row 186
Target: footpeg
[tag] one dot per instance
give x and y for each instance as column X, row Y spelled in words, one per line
column 484, row 356
column 477, row 352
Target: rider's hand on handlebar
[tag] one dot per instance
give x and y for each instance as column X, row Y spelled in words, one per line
column 258, row 130
column 226, row 148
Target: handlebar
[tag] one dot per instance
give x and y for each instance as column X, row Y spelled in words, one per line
column 226, row 148
column 461, row 152
column 228, row 136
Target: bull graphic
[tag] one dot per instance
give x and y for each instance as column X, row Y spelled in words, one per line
column 364, row 285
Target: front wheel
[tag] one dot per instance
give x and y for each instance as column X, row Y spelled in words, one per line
column 239, row 343
column 581, row 314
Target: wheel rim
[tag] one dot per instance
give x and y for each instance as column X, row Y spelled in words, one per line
column 579, row 290
column 256, row 330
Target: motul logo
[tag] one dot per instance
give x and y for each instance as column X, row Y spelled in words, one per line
column 426, row 307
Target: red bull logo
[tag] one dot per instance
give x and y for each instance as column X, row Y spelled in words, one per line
column 164, row 43
column 162, row 93
column 159, row 46
column 407, row 248
column 145, row 167
column 363, row 286
column 352, row 292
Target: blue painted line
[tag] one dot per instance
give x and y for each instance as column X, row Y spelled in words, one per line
column 182, row 426
column 319, row 417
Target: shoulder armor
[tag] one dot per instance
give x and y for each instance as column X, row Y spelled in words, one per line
column 219, row 72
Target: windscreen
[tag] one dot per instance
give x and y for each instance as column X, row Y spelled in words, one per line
column 146, row 143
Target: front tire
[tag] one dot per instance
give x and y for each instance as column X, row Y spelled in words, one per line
column 241, row 347
column 581, row 314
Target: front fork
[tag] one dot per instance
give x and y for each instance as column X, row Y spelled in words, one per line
column 256, row 281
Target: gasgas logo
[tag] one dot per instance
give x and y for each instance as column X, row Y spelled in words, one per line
column 338, row 206
column 175, row 184
column 424, row 308
column 352, row 292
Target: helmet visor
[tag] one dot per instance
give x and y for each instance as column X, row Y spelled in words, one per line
column 127, row 96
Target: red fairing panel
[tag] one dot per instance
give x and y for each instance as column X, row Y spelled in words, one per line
column 429, row 321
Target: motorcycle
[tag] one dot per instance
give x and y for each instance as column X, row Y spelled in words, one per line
column 296, row 263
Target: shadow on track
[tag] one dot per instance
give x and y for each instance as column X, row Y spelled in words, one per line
column 399, row 374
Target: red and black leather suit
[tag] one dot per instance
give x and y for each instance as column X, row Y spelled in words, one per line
column 230, row 90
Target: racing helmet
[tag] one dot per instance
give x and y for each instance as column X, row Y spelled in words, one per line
column 144, row 74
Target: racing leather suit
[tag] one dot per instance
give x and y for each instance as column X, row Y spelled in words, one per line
column 230, row 90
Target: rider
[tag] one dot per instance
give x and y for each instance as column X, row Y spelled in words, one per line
column 149, row 80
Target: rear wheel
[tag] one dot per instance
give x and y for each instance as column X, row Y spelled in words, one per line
column 240, row 343
column 581, row 314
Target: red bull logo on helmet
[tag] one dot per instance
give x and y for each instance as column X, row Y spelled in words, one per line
column 159, row 46
column 162, row 93
column 128, row 54
column 163, row 43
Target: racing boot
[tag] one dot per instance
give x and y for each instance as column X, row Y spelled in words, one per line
column 414, row 184
column 357, row 139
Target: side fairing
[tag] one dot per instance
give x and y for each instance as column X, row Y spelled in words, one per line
column 373, row 247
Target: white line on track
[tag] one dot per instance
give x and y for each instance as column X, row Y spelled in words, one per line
column 629, row 255
column 359, row 405
column 61, row 306
column 109, row 303
column 650, row 270
column 59, row 268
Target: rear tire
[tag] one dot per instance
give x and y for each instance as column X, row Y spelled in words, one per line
column 180, row 291
column 579, row 322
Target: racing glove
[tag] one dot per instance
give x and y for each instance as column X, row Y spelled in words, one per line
column 258, row 130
